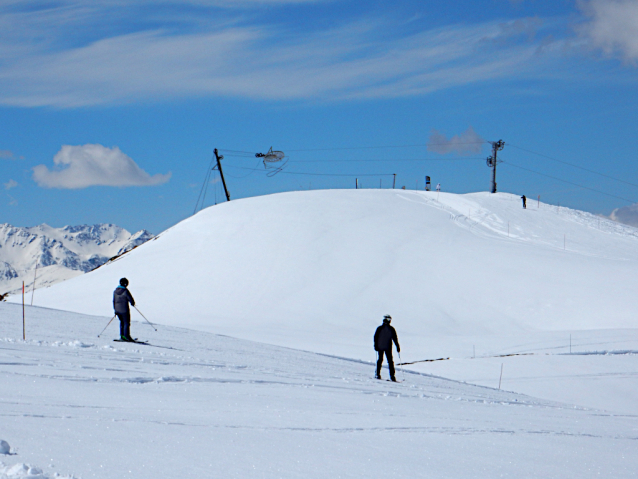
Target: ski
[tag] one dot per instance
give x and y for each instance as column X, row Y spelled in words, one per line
column 388, row 380
column 134, row 341
column 147, row 344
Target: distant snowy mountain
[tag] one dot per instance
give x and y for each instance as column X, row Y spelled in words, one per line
column 59, row 253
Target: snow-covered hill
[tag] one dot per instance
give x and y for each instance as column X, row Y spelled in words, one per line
column 200, row 405
column 462, row 275
column 58, row 253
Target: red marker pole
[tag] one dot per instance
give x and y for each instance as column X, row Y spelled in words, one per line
column 24, row 334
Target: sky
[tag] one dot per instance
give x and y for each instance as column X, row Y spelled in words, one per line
column 110, row 110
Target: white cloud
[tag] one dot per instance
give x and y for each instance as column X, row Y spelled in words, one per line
column 93, row 165
column 627, row 215
column 468, row 142
column 10, row 184
column 364, row 59
column 612, row 26
column 66, row 4
column 6, row 155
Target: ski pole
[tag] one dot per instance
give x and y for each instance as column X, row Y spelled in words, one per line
column 106, row 326
column 402, row 371
column 145, row 318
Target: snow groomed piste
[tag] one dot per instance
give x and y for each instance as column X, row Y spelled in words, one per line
column 474, row 278
column 226, row 407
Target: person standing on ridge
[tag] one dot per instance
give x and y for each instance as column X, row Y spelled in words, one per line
column 383, row 338
column 121, row 298
column 438, row 187
column 524, row 198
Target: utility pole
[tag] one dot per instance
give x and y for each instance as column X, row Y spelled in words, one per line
column 221, row 173
column 394, row 181
column 492, row 161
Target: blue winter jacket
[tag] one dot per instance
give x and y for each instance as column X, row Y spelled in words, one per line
column 121, row 298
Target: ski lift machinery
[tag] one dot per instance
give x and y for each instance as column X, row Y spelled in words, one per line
column 270, row 158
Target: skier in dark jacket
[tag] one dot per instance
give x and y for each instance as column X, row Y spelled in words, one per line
column 383, row 338
column 121, row 298
column 524, row 198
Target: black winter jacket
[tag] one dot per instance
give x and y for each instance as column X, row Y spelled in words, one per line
column 121, row 298
column 384, row 336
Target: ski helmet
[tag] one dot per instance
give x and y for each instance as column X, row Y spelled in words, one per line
column 124, row 282
column 387, row 318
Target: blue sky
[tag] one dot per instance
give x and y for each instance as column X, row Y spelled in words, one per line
column 110, row 109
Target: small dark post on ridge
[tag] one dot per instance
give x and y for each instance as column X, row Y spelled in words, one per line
column 221, row 173
column 492, row 161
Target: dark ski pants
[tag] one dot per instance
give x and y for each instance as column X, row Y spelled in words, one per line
column 125, row 324
column 388, row 355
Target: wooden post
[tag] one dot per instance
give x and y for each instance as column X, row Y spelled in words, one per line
column 394, row 181
column 219, row 157
column 496, row 147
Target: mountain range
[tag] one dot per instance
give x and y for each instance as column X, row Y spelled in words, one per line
column 58, row 253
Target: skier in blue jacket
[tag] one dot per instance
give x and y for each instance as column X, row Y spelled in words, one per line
column 121, row 299
column 383, row 338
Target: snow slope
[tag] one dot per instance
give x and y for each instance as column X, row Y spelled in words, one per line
column 59, row 253
column 197, row 404
column 317, row 270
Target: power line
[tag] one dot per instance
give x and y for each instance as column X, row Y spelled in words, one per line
column 316, row 174
column 389, row 159
column 478, row 142
column 569, row 182
column 377, row 160
column 573, row 165
column 392, row 146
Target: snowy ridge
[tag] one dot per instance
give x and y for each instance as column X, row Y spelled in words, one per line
column 59, row 253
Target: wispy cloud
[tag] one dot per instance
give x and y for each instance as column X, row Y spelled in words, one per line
column 94, row 165
column 12, row 200
column 627, row 215
column 7, row 155
column 612, row 26
column 42, row 66
column 10, row 184
column 468, row 142
column 232, row 4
